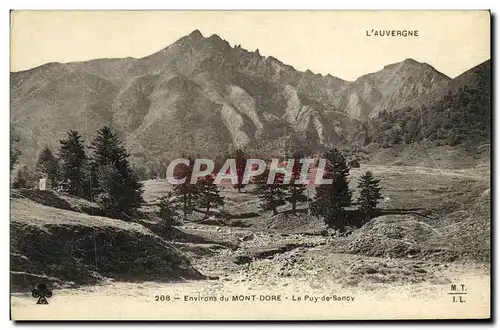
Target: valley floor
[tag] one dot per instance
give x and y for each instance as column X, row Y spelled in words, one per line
column 300, row 274
column 300, row 280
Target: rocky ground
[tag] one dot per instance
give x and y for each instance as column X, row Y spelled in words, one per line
column 297, row 271
column 437, row 235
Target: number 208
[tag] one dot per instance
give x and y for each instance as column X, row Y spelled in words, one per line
column 162, row 298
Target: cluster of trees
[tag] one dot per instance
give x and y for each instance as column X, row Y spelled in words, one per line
column 187, row 197
column 456, row 118
column 277, row 193
column 331, row 200
column 104, row 175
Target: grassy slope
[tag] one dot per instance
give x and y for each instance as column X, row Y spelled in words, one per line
column 47, row 242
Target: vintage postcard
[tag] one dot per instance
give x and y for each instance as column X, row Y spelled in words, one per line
column 250, row 165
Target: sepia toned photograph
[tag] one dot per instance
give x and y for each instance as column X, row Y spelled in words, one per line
column 250, row 165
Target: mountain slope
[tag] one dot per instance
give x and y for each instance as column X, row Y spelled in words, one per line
column 479, row 77
column 200, row 95
column 460, row 115
column 394, row 87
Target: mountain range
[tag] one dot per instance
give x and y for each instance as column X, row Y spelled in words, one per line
column 200, row 95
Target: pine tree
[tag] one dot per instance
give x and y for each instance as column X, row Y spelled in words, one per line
column 187, row 194
column 106, row 186
column 47, row 165
column 14, row 151
column 294, row 192
column 167, row 210
column 24, row 178
column 331, row 199
column 209, row 194
column 241, row 162
column 73, row 160
column 117, row 188
column 369, row 194
column 270, row 195
column 20, row 180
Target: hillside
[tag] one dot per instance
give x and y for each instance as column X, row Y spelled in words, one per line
column 394, row 87
column 200, row 95
column 71, row 248
column 460, row 116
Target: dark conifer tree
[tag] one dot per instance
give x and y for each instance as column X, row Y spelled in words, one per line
column 331, row 199
column 14, row 151
column 24, row 178
column 116, row 188
column 294, row 192
column 187, row 195
column 271, row 195
column 48, row 165
column 167, row 210
column 72, row 163
column 241, row 162
column 369, row 194
column 209, row 194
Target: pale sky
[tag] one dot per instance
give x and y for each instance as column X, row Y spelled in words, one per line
column 333, row 42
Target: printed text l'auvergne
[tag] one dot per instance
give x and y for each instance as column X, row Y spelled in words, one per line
column 391, row 33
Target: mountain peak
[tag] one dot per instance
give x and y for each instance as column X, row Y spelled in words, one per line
column 219, row 42
column 196, row 37
column 216, row 38
column 411, row 61
column 193, row 37
column 408, row 62
column 412, row 64
column 196, row 34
